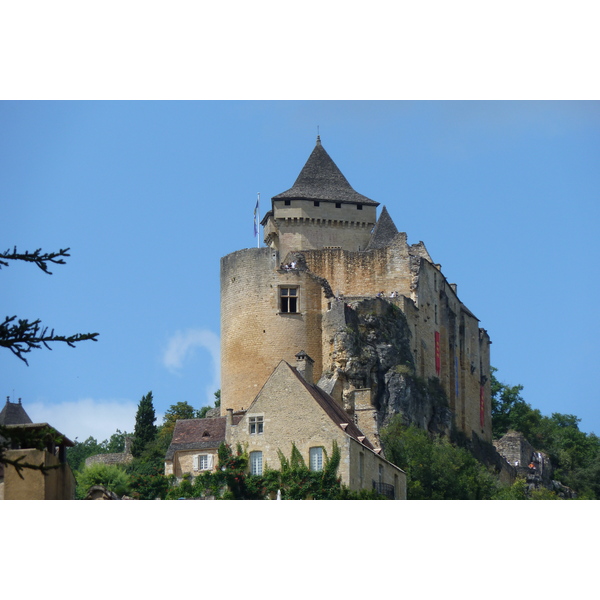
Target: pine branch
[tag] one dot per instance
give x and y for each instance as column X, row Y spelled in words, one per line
column 23, row 336
column 41, row 260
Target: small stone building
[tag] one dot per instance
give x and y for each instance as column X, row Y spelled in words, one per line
column 58, row 483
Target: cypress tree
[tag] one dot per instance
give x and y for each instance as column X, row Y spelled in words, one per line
column 145, row 429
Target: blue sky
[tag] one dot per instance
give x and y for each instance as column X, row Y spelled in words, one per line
column 149, row 195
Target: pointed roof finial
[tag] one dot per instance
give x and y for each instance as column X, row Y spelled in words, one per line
column 320, row 179
column 318, row 137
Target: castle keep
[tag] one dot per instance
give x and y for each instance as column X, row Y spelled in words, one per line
column 344, row 288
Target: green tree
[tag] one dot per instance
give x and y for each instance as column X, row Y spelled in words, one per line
column 435, row 468
column 202, row 412
column 21, row 336
column 112, row 477
column 77, row 455
column 176, row 412
column 510, row 411
column 145, row 429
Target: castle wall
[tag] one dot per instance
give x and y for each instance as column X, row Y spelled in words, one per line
column 303, row 226
column 255, row 334
column 446, row 327
column 446, row 340
column 364, row 273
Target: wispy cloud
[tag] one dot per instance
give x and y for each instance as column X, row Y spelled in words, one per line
column 86, row 417
column 182, row 345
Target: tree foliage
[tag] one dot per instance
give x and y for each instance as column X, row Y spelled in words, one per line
column 575, row 455
column 145, row 429
column 435, row 468
column 204, row 410
column 294, row 481
column 77, row 454
column 112, row 477
column 21, row 336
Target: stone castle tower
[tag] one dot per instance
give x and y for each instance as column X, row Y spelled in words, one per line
column 327, row 259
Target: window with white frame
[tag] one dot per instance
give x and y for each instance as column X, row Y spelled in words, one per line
column 203, row 462
column 316, row 458
column 255, row 425
column 256, row 463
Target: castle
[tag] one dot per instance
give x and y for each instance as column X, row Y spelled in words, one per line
column 328, row 332
column 332, row 277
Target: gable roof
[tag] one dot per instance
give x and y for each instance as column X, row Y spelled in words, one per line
column 13, row 413
column 320, row 179
column 331, row 408
column 334, row 411
column 197, row 434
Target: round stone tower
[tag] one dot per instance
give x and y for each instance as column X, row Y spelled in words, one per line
column 271, row 311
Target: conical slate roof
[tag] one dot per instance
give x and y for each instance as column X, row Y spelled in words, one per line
column 384, row 231
column 13, row 413
column 320, row 179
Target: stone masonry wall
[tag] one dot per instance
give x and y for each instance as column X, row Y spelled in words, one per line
column 255, row 335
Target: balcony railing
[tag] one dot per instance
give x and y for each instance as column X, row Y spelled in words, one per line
column 385, row 489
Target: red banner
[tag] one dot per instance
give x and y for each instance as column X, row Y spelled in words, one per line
column 481, row 407
column 438, row 359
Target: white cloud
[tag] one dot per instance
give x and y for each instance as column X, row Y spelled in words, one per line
column 181, row 347
column 86, row 417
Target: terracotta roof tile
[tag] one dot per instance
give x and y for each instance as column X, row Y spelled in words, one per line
column 200, row 434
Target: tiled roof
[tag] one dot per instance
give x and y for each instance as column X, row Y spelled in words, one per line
column 384, row 231
column 320, row 179
column 197, row 434
column 13, row 413
column 334, row 411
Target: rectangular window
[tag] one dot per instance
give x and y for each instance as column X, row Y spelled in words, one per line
column 256, row 425
column 359, row 207
column 288, row 299
column 203, row 462
column 338, row 205
column 256, row 463
column 287, row 202
column 317, row 203
column 316, row 459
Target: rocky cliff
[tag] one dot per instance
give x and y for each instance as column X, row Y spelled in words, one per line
column 370, row 348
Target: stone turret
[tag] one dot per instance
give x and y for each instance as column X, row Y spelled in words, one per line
column 321, row 210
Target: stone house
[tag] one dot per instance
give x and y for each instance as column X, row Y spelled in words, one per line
column 58, row 483
column 288, row 410
column 194, row 445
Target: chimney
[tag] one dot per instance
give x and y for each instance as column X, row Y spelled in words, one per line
column 229, row 417
column 304, row 366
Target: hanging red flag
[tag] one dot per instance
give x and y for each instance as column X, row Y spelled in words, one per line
column 481, row 406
